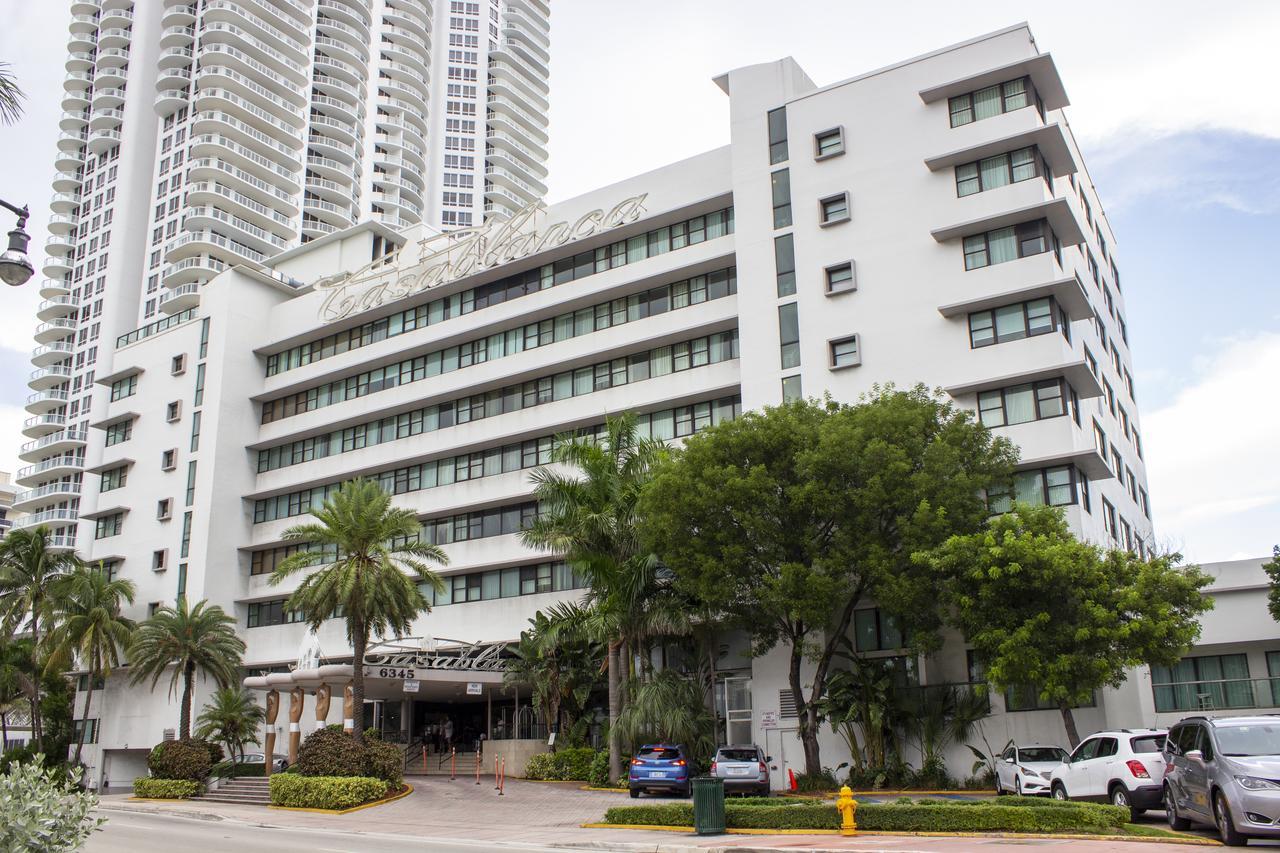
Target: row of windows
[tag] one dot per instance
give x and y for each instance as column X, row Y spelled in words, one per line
column 1019, row 404
column 989, row 173
column 459, row 589
column 1061, row 485
column 584, row 321
column 1017, row 321
column 661, row 361
column 659, row 241
column 1009, row 244
column 664, row 425
column 991, row 101
column 1214, row 681
column 125, row 387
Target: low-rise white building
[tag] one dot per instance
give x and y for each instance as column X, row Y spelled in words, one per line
column 932, row 222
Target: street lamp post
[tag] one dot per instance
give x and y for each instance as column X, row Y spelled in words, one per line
column 15, row 266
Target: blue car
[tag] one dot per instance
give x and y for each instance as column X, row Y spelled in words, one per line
column 660, row 767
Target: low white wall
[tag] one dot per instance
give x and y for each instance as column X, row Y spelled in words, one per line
column 516, row 752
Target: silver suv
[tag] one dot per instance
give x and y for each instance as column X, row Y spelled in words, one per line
column 1224, row 772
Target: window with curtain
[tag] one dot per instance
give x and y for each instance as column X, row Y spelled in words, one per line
column 998, row 171
column 990, row 101
column 1022, row 403
column 1006, row 244
column 1057, row 486
column 1011, row 322
column 1205, row 683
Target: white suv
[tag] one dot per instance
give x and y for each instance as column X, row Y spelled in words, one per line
column 1123, row 767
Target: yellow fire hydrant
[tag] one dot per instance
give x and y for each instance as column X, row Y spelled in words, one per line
column 847, row 806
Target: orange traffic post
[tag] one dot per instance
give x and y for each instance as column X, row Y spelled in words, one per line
column 424, row 759
column 478, row 760
column 495, row 773
column 502, row 777
column 453, row 763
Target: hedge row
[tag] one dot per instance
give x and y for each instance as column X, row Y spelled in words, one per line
column 566, row 764
column 892, row 817
column 324, row 792
column 150, row 788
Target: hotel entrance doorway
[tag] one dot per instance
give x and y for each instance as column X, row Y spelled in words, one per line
column 444, row 725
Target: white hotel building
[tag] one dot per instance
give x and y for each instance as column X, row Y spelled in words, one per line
column 928, row 222
column 204, row 135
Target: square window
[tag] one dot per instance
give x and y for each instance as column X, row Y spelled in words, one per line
column 835, row 209
column 169, row 460
column 845, row 352
column 164, row 509
column 828, row 143
column 173, row 411
column 791, row 390
column 178, row 365
column 840, row 278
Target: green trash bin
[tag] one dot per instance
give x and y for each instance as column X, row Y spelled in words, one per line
column 708, row 805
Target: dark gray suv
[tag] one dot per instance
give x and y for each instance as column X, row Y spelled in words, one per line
column 1224, row 772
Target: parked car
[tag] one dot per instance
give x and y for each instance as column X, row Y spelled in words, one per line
column 660, row 767
column 744, row 769
column 280, row 762
column 1123, row 767
column 1224, row 772
column 1026, row 769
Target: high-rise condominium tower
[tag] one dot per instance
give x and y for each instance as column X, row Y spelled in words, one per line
column 204, row 134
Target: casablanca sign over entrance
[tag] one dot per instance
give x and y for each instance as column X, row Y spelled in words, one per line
column 448, row 257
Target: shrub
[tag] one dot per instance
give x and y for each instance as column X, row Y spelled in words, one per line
column 150, row 788
column 823, row 781
column 539, row 766
column 216, row 752
column 599, row 773
column 574, row 764
column 384, row 761
column 324, row 792
column 326, row 752
column 41, row 809
column 180, row 759
column 232, row 770
column 937, row 816
column 24, row 754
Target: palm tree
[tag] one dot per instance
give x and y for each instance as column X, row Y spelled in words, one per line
column 562, row 665
column 17, row 680
column 31, row 574
column 589, row 516
column 231, row 719
column 11, row 96
column 375, row 580
column 90, row 626
column 191, row 639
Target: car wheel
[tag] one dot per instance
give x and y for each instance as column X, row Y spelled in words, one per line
column 1120, row 798
column 1059, row 791
column 1226, row 826
column 1017, row 786
column 1176, row 823
column 635, row 793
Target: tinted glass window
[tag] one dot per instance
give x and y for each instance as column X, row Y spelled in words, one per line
column 1107, row 747
column 737, row 755
column 1188, row 739
column 1147, row 743
column 1041, row 753
column 1249, row 740
column 658, row 753
column 1086, row 750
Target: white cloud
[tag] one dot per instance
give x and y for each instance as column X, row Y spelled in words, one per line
column 1213, row 454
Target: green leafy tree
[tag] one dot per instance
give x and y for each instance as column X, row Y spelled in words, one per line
column 589, row 515
column 31, row 574
column 17, row 678
column 374, row 582
column 561, row 663
column 668, row 708
column 785, row 520
column 1273, row 574
column 191, row 639
column 1042, row 608
column 232, row 719
column 861, row 706
column 56, row 699
column 90, row 627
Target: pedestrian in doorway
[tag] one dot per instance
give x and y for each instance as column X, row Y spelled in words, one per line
column 448, row 733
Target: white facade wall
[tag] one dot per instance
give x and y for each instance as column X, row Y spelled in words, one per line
column 910, row 310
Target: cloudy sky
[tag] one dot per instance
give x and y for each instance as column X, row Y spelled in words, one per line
column 1173, row 103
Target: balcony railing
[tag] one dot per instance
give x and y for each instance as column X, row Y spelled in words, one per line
column 1217, row 695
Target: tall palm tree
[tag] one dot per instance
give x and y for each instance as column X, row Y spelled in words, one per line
column 374, row 581
column 17, row 679
column 589, row 516
column 31, row 574
column 11, row 96
column 561, row 663
column 90, row 626
column 192, row 640
column 231, row 719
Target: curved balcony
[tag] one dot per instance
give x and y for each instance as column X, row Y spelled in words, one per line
column 260, row 240
column 30, row 500
column 179, row 36
column 348, row 72
column 49, row 469
column 64, row 203
column 101, row 140
column 113, row 78
column 337, row 215
column 54, row 443
column 83, row 24
column 80, row 61
column 342, row 108
column 56, row 267
column 48, row 377
column 334, row 149
column 219, row 147
column 194, row 243
column 69, row 161
column 403, row 72
column 54, row 330
column 188, row 270
column 263, row 23
column 42, row 425
column 211, row 192
column 507, row 89
column 85, row 41
column 348, row 50
column 332, row 169
column 526, row 48
column 173, row 77
column 77, row 81
column 180, row 298
column 88, row 8
column 59, row 306
column 109, row 119
column 60, row 245
column 518, row 83
column 353, row 14
column 403, row 50
column 343, row 131
column 503, row 197
column 335, row 191
column 405, row 19
column 50, row 517
column 103, row 98
column 177, row 56
column 500, row 106
column 51, row 354
column 116, row 15
column 178, row 14
column 314, row 229
column 77, row 101
column 412, row 92
column 66, row 182
column 51, row 287
column 516, row 169
column 72, row 141
column 534, row 159
column 43, row 402
column 112, row 57
column 169, row 100
column 334, row 87
column 280, row 205
column 264, row 54
column 61, row 223
column 115, row 37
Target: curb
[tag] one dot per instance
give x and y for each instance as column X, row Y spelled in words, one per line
column 408, row 789
column 119, row 807
column 1059, row 836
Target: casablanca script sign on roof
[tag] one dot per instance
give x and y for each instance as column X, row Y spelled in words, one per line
column 448, row 257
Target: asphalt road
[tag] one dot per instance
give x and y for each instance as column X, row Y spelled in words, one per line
column 144, row 833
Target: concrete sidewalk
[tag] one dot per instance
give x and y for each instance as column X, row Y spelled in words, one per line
column 552, row 815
